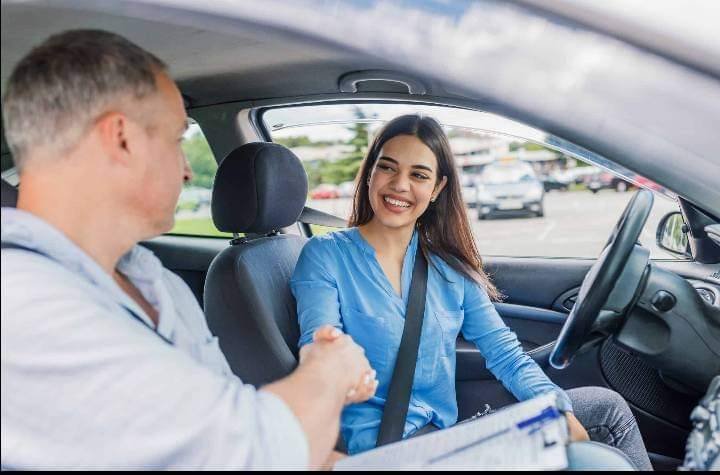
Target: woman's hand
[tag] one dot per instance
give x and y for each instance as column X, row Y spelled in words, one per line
column 576, row 430
column 366, row 387
column 364, row 390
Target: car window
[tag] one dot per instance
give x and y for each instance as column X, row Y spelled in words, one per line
column 527, row 193
column 192, row 214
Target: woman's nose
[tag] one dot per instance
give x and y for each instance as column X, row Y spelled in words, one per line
column 400, row 182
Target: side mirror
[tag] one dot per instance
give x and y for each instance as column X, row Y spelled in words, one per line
column 672, row 234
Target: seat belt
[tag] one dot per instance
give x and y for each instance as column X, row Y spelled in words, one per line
column 394, row 416
column 19, row 247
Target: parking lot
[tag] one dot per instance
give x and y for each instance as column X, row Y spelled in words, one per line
column 576, row 224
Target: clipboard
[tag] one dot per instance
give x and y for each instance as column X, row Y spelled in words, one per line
column 530, row 435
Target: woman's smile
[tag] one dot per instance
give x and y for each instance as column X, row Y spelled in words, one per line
column 396, row 204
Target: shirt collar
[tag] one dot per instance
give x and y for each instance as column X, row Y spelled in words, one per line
column 359, row 240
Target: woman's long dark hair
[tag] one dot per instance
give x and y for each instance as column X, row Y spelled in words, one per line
column 443, row 228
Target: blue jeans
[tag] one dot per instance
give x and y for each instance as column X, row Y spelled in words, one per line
column 608, row 420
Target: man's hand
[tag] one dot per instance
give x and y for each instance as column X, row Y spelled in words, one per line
column 342, row 361
column 330, row 367
column 366, row 385
column 576, row 430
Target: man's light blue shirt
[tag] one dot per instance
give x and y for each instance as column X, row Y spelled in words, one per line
column 338, row 281
column 85, row 385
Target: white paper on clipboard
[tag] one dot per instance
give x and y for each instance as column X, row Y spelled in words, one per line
column 519, row 437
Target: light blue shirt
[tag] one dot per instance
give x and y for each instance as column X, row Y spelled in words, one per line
column 338, row 281
column 85, row 385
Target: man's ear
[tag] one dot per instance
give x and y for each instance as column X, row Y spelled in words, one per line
column 113, row 130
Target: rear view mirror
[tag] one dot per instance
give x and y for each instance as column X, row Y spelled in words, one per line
column 672, row 234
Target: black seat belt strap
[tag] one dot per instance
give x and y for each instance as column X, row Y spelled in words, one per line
column 12, row 245
column 396, row 407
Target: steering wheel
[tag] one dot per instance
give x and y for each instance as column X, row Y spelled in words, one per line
column 621, row 262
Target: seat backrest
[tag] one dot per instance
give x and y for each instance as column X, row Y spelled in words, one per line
column 259, row 188
column 9, row 194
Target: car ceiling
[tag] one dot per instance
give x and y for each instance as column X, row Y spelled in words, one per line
column 210, row 66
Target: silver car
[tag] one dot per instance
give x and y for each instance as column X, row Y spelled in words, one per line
column 509, row 188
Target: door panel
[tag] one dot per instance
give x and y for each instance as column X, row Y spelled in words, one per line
column 535, row 289
column 533, row 326
column 536, row 282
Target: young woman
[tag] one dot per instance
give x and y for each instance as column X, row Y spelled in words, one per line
column 358, row 279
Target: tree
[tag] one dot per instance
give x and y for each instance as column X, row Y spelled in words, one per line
column 346, row 168
column 201, row 160
column 297, row 141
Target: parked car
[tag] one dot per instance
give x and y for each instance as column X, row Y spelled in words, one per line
column 509, row 188
column 555, row 181
column 194, row 198
column 598, row 80
column 346, row 189
column 601, row 180
column 577, row 175
column 469, row 190
column 647, row 183
column 325, row 191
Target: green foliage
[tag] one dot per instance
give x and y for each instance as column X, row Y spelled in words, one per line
column 197, row 227
column 318, row 230
column 339, row 171
column 533, row 147
column 529, row 146
column 312, row 169
column 201, row 160
column 301, row 141
column 346, row 168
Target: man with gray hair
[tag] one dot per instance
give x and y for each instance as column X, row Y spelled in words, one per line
column 107, row 360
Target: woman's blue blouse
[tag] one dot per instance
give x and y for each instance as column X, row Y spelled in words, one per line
column 338, row 281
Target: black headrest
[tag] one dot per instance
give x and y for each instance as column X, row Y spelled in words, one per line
column 259, row 187
column 9, row 194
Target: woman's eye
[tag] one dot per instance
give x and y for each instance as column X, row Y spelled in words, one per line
column 385, row 167
column 421, row 176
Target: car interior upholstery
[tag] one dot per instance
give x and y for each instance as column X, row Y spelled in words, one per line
column 259, row 189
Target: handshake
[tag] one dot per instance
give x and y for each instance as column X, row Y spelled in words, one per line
column 336, row 356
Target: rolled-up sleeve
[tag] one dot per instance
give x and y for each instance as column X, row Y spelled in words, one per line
column 502, row 350
column 315, row 290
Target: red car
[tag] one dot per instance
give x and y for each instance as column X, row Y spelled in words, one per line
column 602, row 179
column 324, row 192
